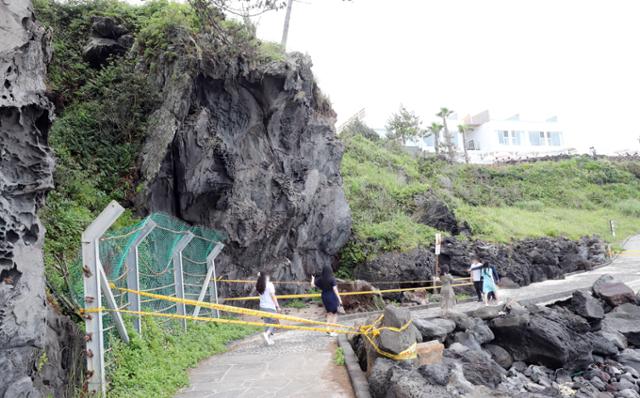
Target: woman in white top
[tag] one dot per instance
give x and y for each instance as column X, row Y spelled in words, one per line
column 268, row 303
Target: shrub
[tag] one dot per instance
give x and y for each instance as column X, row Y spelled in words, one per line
column 629, row 207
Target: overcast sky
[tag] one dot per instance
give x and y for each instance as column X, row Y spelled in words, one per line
column 579, row 60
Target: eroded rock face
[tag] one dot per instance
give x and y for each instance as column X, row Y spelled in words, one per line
column 26, row 169
column 254, row 155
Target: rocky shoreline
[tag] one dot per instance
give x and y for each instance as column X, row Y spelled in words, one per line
column 586, row 346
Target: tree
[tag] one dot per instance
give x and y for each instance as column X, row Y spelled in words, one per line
column 434, row 129
column 463, row 129
column 404, row 125
column 448, row 138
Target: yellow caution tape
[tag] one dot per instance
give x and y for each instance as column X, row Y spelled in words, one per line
column 220, row 320
column 312, row 295
column 228, row 308
column 307, row 282
column 370, row 332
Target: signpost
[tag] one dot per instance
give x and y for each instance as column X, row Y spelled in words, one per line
column 437, row 252
column 612, row 225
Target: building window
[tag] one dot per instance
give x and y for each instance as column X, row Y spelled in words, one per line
column 515, row 137
column 503, row 137
column 554, row 138
column 429, row 140
column 536, row 138
column 473, row 146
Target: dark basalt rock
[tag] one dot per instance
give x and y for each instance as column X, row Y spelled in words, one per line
column 252, row 152
column 434, row 212
column 624, row 319
column 614, row 293
column 478, row 367
column 27, row 326
column 435, row 328
column 519, row 264
column 586, row 306
column 500, row 355
column 107, row 39
column 416, row 264
column 555, row 338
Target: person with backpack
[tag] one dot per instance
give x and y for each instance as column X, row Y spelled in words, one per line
column 488, row 283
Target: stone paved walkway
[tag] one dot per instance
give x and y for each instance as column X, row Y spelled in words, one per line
column 301, row 364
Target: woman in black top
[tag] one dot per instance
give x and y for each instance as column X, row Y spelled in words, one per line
column 330, row 296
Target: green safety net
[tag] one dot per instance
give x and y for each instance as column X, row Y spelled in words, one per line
column 155, row 266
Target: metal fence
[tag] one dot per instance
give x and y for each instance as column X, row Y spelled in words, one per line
column 161, row 255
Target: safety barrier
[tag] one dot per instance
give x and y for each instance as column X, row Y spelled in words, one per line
column 161, row 267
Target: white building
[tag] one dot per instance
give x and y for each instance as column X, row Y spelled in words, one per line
column 490, row 140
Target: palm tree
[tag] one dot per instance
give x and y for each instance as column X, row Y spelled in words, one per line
column 463, row 128
column 434, row 129
column 448, row 139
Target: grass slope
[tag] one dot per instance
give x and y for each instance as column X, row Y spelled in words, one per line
column 571, row 198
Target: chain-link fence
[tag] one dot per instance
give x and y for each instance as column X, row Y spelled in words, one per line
column 159, row 254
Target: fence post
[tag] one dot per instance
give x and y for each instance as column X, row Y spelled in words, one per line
column 92, row 301
column 211, row 271
column 133, row 275
column 178, row 277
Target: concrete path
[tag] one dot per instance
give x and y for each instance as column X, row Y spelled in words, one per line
column 301, row 364
column 625, row 267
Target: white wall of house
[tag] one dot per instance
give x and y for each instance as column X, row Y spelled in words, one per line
column 490, row 140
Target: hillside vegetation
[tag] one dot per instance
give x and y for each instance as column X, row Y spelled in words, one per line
column 571, row 198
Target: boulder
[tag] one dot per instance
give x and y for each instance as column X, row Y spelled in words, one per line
column 554, row 338
column 624, row 319
column 434, row 328
column 615, row 337
column 107, row 27
column 586, row 306
column 612, row 292
column 108, row 39
column 411, row 384
column 416, row 264
column 630, row 358
column 499, row 355
column 487, row 312
column 478, row 367
column 462, row 320
column 432, row 211
column 397, row 342
column 468, row 340
column 362, row 302
column 437, row 373
column 601, row 345
column 379, row 376
column 429, row 352
column 481, row 331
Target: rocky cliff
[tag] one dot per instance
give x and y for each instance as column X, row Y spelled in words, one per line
column 31, row 359
column 251, row 152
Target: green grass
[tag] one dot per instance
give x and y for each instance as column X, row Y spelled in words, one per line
column 503, row 224
column 339, row 357
column 155, row 364
column 571, row 198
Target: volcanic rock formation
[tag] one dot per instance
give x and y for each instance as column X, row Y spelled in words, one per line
column 37, row 347
column 253, row 154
